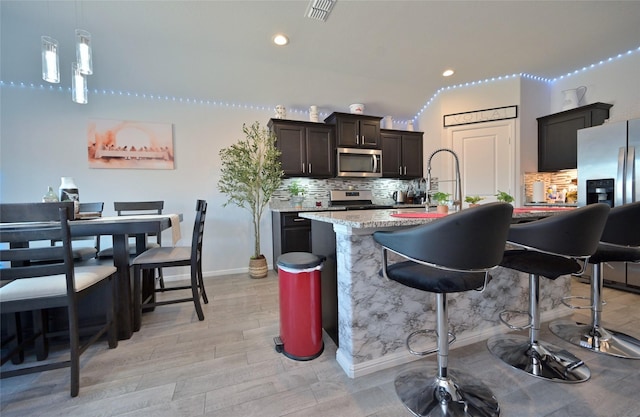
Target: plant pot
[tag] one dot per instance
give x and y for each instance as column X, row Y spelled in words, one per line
column 442, row 209
column 258, row 267
column 296, row 201
column 474, row 205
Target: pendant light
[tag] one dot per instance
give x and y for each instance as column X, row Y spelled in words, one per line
column 83, row 52
column 78, row 85
column 50, row 60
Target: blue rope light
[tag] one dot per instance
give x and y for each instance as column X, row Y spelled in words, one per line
column 207, row 102
column 524, row 75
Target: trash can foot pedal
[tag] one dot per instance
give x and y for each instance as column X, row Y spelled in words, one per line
column 279, row 344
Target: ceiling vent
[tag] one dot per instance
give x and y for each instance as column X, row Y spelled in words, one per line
column 319, row 9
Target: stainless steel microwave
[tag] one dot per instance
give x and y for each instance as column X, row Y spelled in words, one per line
column 355, row 162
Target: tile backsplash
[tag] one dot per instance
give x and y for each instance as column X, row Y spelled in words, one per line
column 318, row 189
column 563, row 180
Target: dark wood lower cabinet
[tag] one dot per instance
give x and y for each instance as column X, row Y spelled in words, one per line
column 323, row 243
column 291, row 233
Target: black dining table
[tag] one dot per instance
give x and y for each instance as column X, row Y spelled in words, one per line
column 121, row 228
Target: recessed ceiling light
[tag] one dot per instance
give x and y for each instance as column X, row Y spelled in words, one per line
column 447, row 73
column 280, row 39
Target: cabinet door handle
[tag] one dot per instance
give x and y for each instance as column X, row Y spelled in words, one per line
column 400, row 170
column 309, row 168
column 303, row 168
column 405, row 170
column 357, row 140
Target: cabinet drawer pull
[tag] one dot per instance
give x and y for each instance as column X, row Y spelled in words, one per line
column 299, row 219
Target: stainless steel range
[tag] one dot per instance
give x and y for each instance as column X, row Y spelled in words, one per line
column 354, row 200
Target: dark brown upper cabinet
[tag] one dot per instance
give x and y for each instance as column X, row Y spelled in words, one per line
column 356, row 130
column 558, row 135
column 401, row 154
column 307, row 148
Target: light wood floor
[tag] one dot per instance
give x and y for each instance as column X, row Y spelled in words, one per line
column 227, row 366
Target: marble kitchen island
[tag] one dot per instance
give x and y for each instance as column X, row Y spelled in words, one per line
column 369, row 317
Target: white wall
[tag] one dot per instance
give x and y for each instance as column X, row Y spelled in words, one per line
column 615, row 82
column 44, row 136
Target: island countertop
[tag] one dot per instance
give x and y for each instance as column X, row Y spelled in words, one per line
column 365, row 219
column 369, row 317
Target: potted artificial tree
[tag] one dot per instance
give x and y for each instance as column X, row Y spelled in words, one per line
column 473, row 200
column 250, row 173
column 442, row 200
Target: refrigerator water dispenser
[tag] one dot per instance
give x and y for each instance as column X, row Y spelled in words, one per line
column 600, row 191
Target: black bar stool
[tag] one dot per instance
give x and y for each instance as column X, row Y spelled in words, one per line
column 452, row 254
column 551, row 247
column 620, row 242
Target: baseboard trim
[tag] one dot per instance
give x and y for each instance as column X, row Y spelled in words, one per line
column 404, row 357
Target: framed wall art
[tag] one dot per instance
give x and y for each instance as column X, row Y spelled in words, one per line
column 126, row 144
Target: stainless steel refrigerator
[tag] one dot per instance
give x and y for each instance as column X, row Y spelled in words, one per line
column 608, row 170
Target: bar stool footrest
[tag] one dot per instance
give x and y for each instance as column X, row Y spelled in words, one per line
column 566, row 302
column 514, row 313
column 452, row 338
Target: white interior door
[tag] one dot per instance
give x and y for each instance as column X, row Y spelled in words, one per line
column 486, row 158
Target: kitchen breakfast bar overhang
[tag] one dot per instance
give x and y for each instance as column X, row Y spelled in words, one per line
column 370, row 317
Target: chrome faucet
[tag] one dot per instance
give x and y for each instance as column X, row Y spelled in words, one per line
column 458, row 186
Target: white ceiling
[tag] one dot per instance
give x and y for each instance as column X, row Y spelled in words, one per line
column 388, row 55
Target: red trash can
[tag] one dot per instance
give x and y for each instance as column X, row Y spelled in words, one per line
column 300, row 306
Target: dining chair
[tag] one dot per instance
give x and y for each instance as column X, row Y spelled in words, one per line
column 168, row 257
column 30, row 212
column 36, row 286
column 82, row 252
column 127, row 208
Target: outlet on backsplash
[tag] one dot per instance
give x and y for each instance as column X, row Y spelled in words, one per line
column 562, row 182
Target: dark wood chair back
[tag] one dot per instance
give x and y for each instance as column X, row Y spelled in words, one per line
column 124, row 208
column 198, row 234
column 34, row 212
column 37, row 260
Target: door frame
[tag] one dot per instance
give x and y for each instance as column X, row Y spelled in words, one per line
column 510, row 124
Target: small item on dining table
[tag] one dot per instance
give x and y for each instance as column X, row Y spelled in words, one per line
column 50, row 196
column 69, row 191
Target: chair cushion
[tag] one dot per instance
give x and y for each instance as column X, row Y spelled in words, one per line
column 538, row 263
column 163, row 255
column 615, row 253
column 54, row 285
column 82, row 253
column 425, row 278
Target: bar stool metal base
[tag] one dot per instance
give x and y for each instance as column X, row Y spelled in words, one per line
column 600, row 340
column 544, row 361
column 457, row 395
